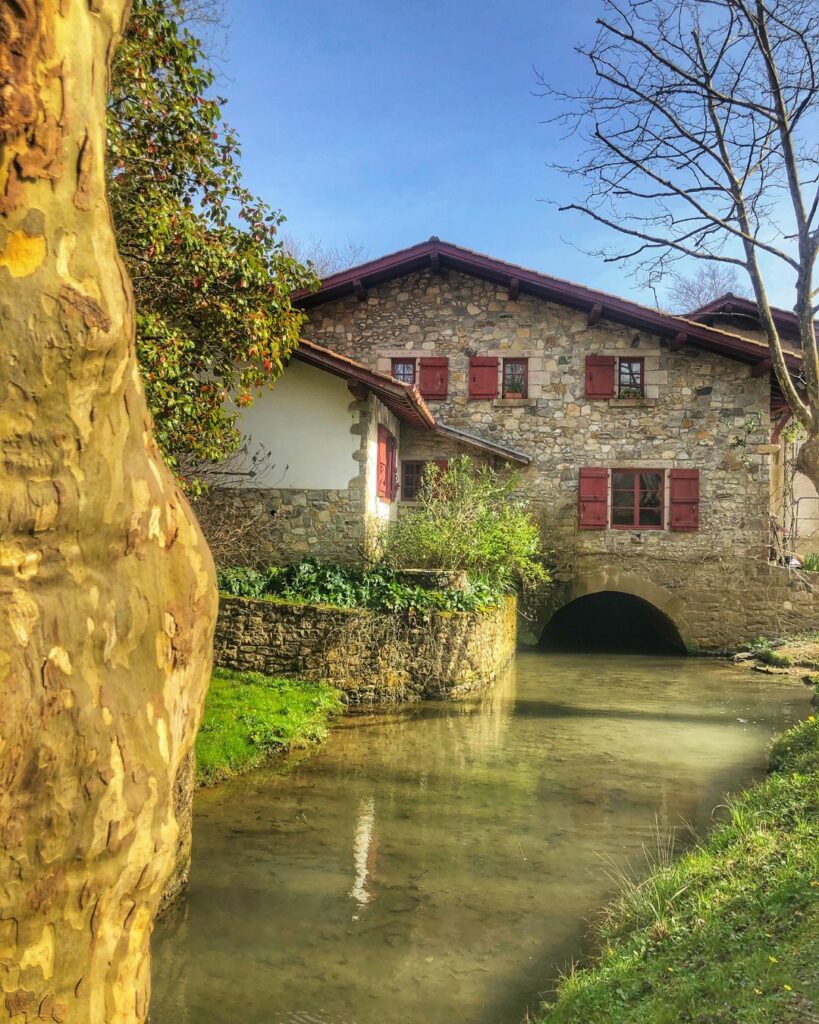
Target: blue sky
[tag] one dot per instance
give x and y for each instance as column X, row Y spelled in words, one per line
column 382, row 123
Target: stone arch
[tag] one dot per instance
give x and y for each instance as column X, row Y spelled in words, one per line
column 615, row 581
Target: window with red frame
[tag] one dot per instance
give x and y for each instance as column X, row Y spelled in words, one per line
column 386, row 466
column 404, row 370
column 515, row 378
column 412, row 476
column 630, row 378
column 637, row 499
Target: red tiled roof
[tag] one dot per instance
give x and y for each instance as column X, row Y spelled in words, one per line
column 437, row 254
column 729, row 306
column 402, row 399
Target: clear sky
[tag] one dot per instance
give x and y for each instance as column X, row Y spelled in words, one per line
column 382, row 123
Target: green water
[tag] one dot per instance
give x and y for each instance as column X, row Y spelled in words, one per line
column 442, row 863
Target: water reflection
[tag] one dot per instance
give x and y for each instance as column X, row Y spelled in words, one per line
column 441, row 863
column 365, row 851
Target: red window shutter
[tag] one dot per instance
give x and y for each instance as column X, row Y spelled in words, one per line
column 600, row 376
column 593, row 499
column 483, row 377
column 382, row 467
column 684, row 500
column 433, row 377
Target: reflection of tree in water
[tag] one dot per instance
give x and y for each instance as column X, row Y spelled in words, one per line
column 365, row 851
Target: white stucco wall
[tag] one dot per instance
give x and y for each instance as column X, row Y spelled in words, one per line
column 304, row 422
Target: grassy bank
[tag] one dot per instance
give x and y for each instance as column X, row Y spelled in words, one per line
column 728, row 933
column 249, row 716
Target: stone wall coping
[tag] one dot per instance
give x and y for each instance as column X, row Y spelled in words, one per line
column 513, row 403
column 296, row 605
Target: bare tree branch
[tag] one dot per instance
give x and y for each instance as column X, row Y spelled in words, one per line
column 698, row 139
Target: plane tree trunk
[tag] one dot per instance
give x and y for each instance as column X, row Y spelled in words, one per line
column 107, row 596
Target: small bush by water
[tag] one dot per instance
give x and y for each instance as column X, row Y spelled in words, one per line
column 379, row 588
column 469, row 517
column 728, row 933
column 248, row 716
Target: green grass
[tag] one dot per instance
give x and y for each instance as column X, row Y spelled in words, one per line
column 248, row 716
column 728, row 933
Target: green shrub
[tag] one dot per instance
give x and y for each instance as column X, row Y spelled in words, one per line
column 242, row 581
column 770, row 657
column 380, row 588
column 811, row 561
column 468, row 518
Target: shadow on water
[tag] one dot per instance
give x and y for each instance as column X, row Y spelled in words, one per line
column 610, row 621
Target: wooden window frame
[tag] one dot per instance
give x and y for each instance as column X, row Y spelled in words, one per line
column 641, row 386
column 421, row 465
column 413, row 361
column 515, row 361
column 636, row 488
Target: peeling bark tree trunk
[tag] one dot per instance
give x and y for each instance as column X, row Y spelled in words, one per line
column 107, row 597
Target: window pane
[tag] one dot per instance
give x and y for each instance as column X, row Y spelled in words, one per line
column 404, row 370
column 651, row 499
column 650, row 517
column 514, row 376
column 622, row 516
column 622, row 499
column 621, row 480
column 630, row 374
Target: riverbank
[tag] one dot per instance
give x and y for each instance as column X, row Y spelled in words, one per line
column 249, row 717
column 728, row 933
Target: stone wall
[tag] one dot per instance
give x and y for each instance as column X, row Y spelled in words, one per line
column 370, row 656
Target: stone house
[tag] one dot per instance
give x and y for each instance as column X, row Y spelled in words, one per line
column 645, row 441
column 334, row 433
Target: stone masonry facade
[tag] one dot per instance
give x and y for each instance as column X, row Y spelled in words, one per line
column 372, row 657
column 700, row 410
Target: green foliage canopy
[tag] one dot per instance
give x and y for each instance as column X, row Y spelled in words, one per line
column 211, row 280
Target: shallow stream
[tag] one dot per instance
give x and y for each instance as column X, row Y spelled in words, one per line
column 441, row 863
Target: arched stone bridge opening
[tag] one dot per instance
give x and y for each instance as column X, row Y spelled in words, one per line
column 612, row 611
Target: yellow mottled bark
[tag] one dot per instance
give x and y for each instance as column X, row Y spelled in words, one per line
column 107, row 596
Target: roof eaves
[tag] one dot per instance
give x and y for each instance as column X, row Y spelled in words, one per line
column 612, row 307
column 402, row 399
column 473, row 440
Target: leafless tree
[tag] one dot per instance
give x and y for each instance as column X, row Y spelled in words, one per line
column 700, row 135
column 709, row 281
column 325, row 259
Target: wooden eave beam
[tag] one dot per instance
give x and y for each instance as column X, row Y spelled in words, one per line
column 435, row 263
column 360, row 290
column 678, row 341
column 594, row 314
column 514, row 288
column 762, row 368
column 357, row 390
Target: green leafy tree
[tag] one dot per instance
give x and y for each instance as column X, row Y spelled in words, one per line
column 212, row 281
column 470, row 518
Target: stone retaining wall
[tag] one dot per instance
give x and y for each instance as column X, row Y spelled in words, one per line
column 371, row 657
